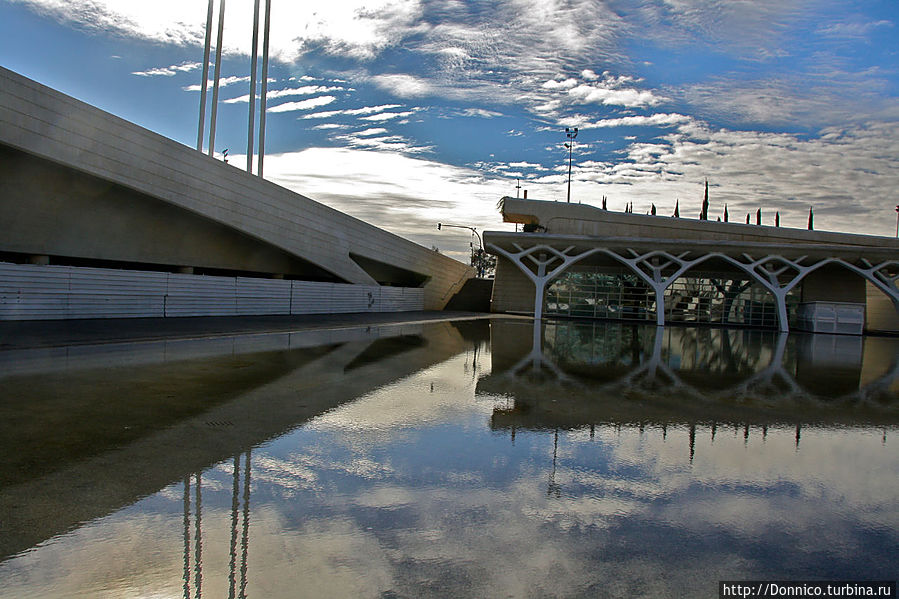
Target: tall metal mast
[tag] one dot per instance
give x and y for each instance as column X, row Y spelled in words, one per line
column 204, row 84
column 218, row 72
column 255, row 59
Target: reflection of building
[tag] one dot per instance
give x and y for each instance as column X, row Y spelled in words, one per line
column 578, row 374
column 104, row 218
column 129, row 419
column 581, row 261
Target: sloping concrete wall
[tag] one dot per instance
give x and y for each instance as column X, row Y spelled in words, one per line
column 43, row 122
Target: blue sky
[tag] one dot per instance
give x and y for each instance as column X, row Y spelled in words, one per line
column 407, row 113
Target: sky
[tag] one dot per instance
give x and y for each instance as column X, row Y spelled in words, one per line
column 406, row 113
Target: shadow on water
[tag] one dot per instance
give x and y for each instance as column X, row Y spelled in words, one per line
column 577, row 374
column 89, row 429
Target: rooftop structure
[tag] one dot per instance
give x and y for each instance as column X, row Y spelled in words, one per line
column 578, row 260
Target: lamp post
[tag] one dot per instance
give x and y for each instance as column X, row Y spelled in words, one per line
column 570, row 134
column 473, row 230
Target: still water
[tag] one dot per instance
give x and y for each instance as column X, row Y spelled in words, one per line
column 468, row 459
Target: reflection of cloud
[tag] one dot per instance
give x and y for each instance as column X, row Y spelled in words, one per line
column 414, row 496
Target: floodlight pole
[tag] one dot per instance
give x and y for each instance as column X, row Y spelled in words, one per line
column 472, row 229
column 570, row 134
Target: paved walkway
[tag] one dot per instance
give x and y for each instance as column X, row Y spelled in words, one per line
column 51, row 333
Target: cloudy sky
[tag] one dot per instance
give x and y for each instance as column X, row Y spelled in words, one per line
column 411, row 112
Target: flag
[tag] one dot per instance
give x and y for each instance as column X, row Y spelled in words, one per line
column 725, row 213
column 758, row 216
column 652, row 210
column 777, row 218
column 676, row 209
column 704, row 214
column 811, row 219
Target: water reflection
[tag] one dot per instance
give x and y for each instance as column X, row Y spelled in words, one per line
column 89, row 429
column 465, row 460
column 610, row 372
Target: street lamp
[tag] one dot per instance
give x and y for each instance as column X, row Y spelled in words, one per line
column 570, row 134
column 473, row 230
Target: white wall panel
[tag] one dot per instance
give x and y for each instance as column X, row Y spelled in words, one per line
column 32, row 292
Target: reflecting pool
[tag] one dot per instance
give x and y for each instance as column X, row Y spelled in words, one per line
column 483, row 458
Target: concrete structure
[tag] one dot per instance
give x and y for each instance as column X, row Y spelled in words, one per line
column 82, row 188
column 765, row 271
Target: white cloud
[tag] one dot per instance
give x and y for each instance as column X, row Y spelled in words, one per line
column 223, row 82
column 658, row 119
column 403, row 194
column 325, row 114
column 371, row 109
column 305, row 90
column 386, row 116
column 630, row 98
column 302, row 104
column 853, row 29
column 554, row 84
column 403, row 86
column 480, row 113
column 357, row 28
column 372, row 131
column 841, row 174
column 169, row 71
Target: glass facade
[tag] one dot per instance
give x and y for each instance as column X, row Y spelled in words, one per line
column 699, row 298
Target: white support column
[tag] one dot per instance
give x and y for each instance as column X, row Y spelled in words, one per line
column 215, row 79
column 253, row 60
column 204, row 84
column 542, row 276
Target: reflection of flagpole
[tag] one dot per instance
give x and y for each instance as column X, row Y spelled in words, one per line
column 553, row 488
column 198, row 551
column 235, row 502
column 245, row 539
column 187, row 536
